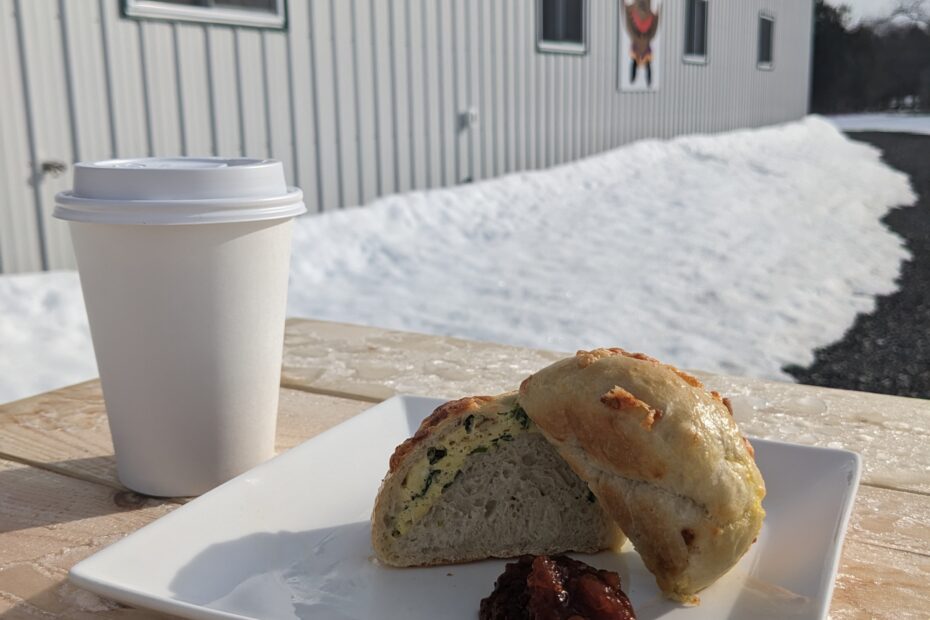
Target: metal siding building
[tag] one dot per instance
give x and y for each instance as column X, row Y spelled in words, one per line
column 359, row 98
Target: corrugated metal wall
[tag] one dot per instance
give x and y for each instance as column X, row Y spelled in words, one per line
column 358, row 97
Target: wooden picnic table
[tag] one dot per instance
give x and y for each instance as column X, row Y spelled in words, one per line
column 60, row 500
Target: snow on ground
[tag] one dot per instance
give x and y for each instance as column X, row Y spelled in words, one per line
column 904, row 123
column 44, row 338
column 734, row 253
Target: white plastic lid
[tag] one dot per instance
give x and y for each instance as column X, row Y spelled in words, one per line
column 179, row 190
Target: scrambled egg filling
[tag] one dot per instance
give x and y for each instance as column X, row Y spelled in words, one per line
column 430, row 476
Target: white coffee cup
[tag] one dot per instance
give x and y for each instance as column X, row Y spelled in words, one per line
column 184, row 267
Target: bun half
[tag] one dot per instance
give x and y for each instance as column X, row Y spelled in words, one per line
column 661, row 453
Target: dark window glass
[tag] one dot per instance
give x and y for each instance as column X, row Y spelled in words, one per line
column 269, row 6
column 563, row 21
column 252, row 13
column 766, row 31
column 187, row 2
column 696, row 28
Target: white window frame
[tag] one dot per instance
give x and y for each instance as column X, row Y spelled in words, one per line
column 562, row 47
column 696, row 59
column 227, row 16
column 770, row 65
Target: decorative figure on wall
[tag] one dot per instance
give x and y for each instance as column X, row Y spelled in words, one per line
column 640, row 27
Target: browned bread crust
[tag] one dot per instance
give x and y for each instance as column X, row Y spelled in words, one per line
column 483, row 514
column 451, row 409
column 662, row 453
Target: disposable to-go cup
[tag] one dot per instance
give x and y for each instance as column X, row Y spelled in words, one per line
column 184, row 268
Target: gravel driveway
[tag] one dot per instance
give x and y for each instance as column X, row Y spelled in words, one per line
column 888, row 351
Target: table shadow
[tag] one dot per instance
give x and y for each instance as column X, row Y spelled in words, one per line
column 257, row 576
column 65, row 600
column 236, row 574
column 764, row 601
column 36, row 496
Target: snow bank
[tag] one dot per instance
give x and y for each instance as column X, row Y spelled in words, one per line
column 734, row 253
column 904, row 123
column 44, row 338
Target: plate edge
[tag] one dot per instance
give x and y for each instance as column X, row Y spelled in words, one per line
column 78, row 575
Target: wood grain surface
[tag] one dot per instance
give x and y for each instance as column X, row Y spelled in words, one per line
column 66, row 431
column 60, row 499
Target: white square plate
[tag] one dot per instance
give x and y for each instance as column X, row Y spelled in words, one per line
column 290, row 539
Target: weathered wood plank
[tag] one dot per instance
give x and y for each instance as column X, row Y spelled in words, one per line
column 891, row 433
column 377, row 363
column 48, row 523
column 303, row 415
column 87, row 607
column 42, row 512
column 66, row 431
column 881, row 584
column 892, row 519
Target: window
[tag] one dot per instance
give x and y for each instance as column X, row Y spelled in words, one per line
column 696, row 31
column 255, row 13
column 561, row 26
column 766, row 40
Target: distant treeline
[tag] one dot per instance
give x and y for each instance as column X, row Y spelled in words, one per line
column 873, row 66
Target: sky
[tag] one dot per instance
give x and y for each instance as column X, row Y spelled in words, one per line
column 866, row 8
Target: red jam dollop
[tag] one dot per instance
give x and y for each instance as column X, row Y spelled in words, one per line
column 556, row 588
